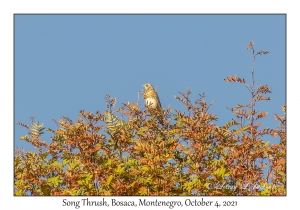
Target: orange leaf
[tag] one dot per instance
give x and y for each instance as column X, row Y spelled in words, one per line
column 250, row 45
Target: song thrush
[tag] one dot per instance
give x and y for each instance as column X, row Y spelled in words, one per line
column 151, row 97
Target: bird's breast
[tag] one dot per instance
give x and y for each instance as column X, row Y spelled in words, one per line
column 151, row 101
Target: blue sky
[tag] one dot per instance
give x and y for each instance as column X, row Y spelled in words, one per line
column 65, row 63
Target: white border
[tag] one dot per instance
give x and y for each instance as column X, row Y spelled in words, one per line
column 8, row 8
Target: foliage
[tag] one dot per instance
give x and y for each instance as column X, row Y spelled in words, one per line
column 134, row 151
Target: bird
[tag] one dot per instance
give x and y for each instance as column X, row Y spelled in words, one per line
column 151, row 97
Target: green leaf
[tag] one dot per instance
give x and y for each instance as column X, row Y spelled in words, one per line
column 26, row 138
column 108, row 163
column 19, row 193
column 44, row 155
column 142, row 131
column 65, row 161
column 37, row 128
column 110, row 178
column 55, row 163
column 54, row 181
column 145, row 168
column 265, row 192
column 120, row 170
column 221, row 172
